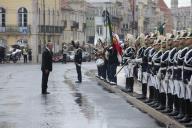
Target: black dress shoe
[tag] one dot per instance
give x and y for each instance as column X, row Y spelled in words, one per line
column 77, row 81
column 142, row 97
column 180, row 116
column 127, row 90
column 147, row 101
column 186, row 119
column 155, row 105
column 152, row 103
column 188, row 124
column 173, row 113
column 45, row 93
column 130, row 90
column 161, row 107
column 167, row 110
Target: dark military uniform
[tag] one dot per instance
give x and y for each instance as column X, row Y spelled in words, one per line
column 78, row 61
column 156, row 62
column 142, row 70
column 129, row 66
column 112, row 63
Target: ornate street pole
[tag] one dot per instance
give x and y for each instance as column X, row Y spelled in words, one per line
column 44, row 40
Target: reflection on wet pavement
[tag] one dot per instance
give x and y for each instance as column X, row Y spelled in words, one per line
column 69, row 105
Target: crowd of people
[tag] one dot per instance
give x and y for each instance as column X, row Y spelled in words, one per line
column 163, row 66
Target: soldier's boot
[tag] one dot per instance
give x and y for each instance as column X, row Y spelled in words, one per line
column 157, row 99
column 181, row 109
column 189, row 124
column 186, row 118
column 169, row 107
column 176, row 106
column 127, row 84
column 151, row 95
column 144, row 92
column 131, row 85
column 162, row 102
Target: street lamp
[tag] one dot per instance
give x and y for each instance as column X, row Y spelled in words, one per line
column 44, row 41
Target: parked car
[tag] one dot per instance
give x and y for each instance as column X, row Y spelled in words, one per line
column 71, row 55
column 86, row 56
column 57, row 58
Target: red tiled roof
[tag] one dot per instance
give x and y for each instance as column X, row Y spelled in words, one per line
column 163, row 7
column 64, row 3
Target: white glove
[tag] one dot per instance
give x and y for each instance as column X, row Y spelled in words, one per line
column 159, row 75
column 138, row 60
column 190, row 82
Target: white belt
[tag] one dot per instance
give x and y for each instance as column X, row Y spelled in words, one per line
column 150, row 63
column 127, row 57
column 163, row 68
column 188, row 68
column 175, row 68
column 170, row 67
column 179, row 66
column 157, row 64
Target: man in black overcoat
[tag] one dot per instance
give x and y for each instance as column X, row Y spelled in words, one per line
column 78, row 60
column 46, row 66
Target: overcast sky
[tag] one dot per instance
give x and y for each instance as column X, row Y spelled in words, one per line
column 181, row 2
column 168, row 2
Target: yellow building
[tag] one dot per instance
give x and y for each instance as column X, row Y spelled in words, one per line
column 22, row 23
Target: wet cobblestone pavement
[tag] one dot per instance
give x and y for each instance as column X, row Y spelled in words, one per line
column 69, row 105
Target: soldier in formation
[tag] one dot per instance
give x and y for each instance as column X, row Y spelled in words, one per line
column 163, row 66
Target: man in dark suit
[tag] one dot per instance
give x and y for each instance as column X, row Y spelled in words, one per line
column 78, row 61
column 46, row 66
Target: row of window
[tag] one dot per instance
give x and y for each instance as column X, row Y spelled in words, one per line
column 22, row 17
column 50, row 29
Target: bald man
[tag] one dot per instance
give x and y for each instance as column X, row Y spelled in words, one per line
column 46, row 66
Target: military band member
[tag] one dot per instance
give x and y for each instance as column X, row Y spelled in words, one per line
column 112, row 63
column 100, row 59
column 99, row 62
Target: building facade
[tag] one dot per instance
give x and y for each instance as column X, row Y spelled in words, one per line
column 114, row 9
column 90, row 23
column 30, row 23
column 182, row 16
column 73, row 16
column 15, row 22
